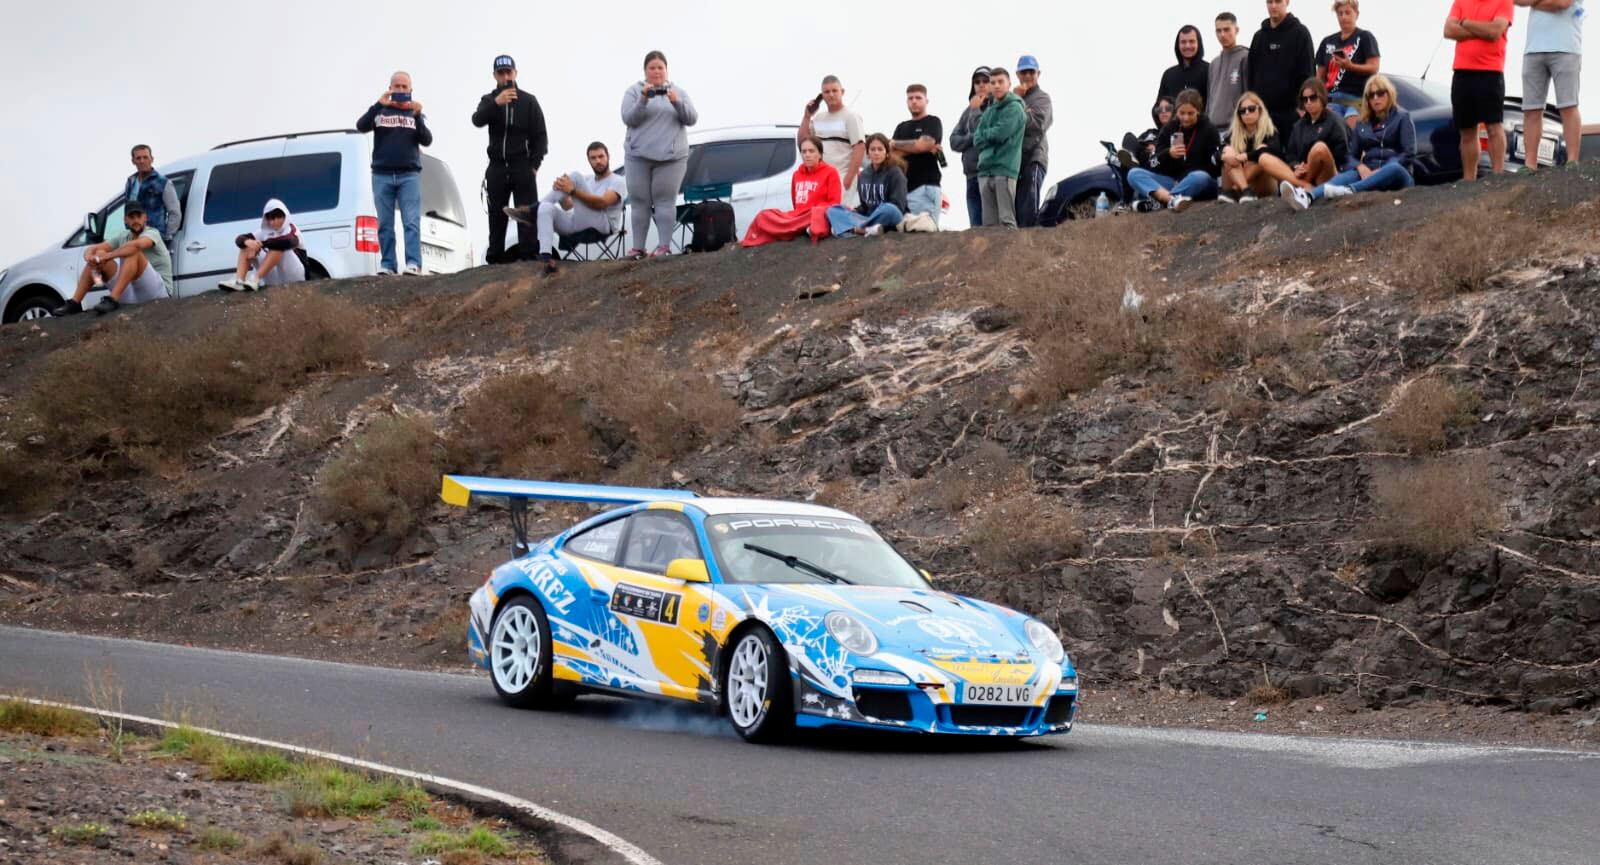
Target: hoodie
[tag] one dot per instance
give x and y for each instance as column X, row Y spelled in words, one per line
column 1330, row 130
column 1225, row 84
column 516, row 129
column 397, row 138
column 1280, row 61
column 1185, row 75
column 961, row 138
column 886, row 185
column 283, row 239
column 1204, row 149
column 999, row 138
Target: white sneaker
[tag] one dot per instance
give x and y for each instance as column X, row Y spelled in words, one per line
column 252, row 281
column 1180, row 203
column 1334, row 190
column 1248, row 198
column 873, row 230
column 231, row 285
column 1147, row 205
column 1295, row 197
column 1227, row 198
column 413, row 270
column 384, row 271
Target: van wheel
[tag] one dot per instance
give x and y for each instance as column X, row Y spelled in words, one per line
column 31, row 304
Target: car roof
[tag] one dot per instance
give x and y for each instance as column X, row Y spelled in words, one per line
column 742, row 133
column 765, row 507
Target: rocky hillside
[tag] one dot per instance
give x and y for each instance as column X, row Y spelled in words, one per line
column 1347, row 451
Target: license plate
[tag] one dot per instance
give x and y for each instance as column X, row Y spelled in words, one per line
column 1003, row 695
column 1547, row 151
column 435, row 254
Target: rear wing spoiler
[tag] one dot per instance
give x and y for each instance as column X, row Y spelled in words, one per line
column 459, row 490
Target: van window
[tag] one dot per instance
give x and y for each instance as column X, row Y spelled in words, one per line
column 238, row 190
column 728, row 162
column 440, row 198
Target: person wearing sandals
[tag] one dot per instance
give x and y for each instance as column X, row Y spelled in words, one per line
column 1250, row 137
column 658, row 114
column 881, row 186
column 1383, row 145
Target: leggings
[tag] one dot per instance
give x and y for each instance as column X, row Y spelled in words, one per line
column 653, row 187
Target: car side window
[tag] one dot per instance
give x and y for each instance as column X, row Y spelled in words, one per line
column 729, row 162
column 656, row 538
column 306, row 183
column 784, row 156
column 599, row 543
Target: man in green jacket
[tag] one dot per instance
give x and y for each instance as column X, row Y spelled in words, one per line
column 999, row 143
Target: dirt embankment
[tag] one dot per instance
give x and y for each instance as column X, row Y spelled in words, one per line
column 1351, row 453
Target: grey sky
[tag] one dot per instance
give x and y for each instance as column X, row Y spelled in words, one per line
column 76, row 100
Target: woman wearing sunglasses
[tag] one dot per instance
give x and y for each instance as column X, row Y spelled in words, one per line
column 1250, row 137
column 1319, row 144
column 1384, row 147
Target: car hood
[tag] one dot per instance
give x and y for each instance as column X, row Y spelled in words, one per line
column 920, row 621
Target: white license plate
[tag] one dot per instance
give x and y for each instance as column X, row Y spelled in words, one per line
column 1002, row 695
column 435, row 254
column 1547, row 150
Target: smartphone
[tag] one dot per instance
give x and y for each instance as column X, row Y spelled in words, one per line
column 814, row 104
column 400, row 98
column 1177, row 139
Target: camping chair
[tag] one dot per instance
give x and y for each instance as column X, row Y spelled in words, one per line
column 592, row 245
column 693, row 195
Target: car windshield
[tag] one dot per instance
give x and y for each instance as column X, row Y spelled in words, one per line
column 849, row 549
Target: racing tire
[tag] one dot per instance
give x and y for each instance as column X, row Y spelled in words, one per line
column 755, row 681
column 520, row 654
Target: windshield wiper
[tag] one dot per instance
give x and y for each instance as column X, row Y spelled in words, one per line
column 798, row 564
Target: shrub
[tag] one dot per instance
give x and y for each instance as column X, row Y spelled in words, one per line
column 225, row 760
column 221, row 840
column 660, row 406
column 984, row 473
column 1464, row 246
column 480, row 839
column 289, row 852
column 21, row 716
column 81, row 833
column 385, row 479
column 1019, row 533
column 1421, row 416
column 159, row 818
column 1435, row 508
column 1268, row 695
column 523, row 424
column 329, row 791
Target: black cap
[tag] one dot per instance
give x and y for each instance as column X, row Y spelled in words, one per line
column 981, row 70
column 504, row 61
column 132, row 206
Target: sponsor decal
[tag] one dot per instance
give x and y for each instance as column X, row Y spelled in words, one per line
column 648, row 604
column 720, row 620
column 704, row 613
column 549, row 584
column 786, row 522
column 951, row 631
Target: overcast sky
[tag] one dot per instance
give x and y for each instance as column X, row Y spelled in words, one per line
column 76, row 100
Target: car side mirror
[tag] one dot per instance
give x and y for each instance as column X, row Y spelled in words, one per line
column 688, row 570
column 92, row 227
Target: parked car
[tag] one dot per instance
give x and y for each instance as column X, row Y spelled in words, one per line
column 746, row 166
column 1438, row 152
column 325, row 179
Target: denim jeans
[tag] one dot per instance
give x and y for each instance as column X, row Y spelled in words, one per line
column 1030, row 183
column 1391, row 177
column 926, row 199
column 843, row 220
column 1196, row 184
column 403, row 188
column 974, row 202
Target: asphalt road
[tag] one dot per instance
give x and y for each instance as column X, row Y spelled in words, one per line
column 683, row 787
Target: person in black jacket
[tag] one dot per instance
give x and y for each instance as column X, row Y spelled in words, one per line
column 1191, row 72
column 1250, row 138
column 1281, row 56
column 1185, row 164
column 517, row 145
column 1318, row 147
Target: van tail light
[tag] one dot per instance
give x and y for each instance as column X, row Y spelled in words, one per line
column 1483, row 137
column 367, row 234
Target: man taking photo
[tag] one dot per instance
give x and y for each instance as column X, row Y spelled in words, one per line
column 517, row 145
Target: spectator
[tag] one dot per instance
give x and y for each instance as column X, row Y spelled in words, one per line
column 517, row 145
column 999, row 142
column 1280, row 56
column 839, row 130
column 918, row 141
column 961, row 141
column 135, row 261
column 155, row 193
column 1141, row 149
column 814, row 188
column 658, row 115
column 1226, row 76
column 1035, row 141
column 399, row 131
column 1478, row 90
column 1554, row 52
column 1191, row 72
column 1250, row 137
column 1318, row 147
column 1187, row 150
column 1346, row 60
column 576, row 203
column 270, row 250
column 1384, row 146
column 882, row 190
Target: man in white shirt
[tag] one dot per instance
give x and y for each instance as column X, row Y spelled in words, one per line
column 844, row 144
column 576, row 203
column 1554, row 54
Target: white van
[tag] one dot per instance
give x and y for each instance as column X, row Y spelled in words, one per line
column 746, row 166
column 325, row 178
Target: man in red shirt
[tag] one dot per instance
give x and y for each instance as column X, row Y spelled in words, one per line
column 1478, row 90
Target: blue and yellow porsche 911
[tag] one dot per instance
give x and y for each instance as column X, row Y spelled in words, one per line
column 779, row 614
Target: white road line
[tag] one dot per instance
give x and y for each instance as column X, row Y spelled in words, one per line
column 1339, row 752
column 621, row 846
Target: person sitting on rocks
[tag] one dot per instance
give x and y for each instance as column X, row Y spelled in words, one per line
column 1384, row 147
column 1317, row 149
column 1187, row 151
column 881, row 186
column 814, row 188
column 270, row 251
column 135, row 262
column 1141, row 149
column 1251, row 137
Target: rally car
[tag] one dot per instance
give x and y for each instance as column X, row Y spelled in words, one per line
column 779, row 614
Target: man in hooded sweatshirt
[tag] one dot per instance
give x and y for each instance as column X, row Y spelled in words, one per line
column 1281, row 58
column 1191, row 72
column 517, row 145
column 961, row 141
column 269, row 250
column 1227, row 74
column 999, row 143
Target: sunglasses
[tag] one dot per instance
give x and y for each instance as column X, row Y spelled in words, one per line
column 1379, row 95
column 1309, row 97
column 1248, row 109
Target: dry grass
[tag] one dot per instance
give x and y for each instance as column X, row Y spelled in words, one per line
column 1457, row 251
column 21, row 716
column 286, row 850
column 1422, row 417
column 1023, row 531
column 28, row 482
column 384, row 480
column 523, row 424
column 1268, row 695
column 1437, row 507
column 985, row 473
column 641, row 398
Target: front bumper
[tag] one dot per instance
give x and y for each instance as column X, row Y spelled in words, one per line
column 911, row 709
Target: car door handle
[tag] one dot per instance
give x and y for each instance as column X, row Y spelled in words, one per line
column 600, row 598
column 196, row 246
column 749, row 196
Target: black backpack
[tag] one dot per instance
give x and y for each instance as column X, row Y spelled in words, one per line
column 712, row 226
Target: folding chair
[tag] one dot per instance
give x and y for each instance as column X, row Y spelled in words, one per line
column 607, row 247
column 693, row 195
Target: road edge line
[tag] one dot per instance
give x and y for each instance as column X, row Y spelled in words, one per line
column 611, row 841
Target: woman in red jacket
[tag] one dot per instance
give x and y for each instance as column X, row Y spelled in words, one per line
column 814, row 188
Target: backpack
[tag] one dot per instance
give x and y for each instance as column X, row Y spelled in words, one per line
column 712, row 226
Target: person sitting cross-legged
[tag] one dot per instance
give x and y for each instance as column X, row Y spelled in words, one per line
column 882, row 189
column 575, row 204
column 135, row 263
column 1185, row 162
column 270, row 250
column 1317, row 149
column 814, row 188
column 1251, row 137
column 1384, row 146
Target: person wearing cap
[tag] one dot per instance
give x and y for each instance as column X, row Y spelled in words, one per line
column 135, row 265
column 961, row 141
column 1035, row 141
column 399, row 132
column 517, row 145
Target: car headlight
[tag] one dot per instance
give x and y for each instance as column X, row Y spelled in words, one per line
column 1068, row 683
column 851, row 633
column 878, row 677
column 1045, row 640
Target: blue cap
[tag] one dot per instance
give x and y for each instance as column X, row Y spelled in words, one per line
column 504, row 61
column 1026, row 62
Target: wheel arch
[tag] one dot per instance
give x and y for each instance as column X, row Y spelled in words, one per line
column 25, row 293
column 719, row 667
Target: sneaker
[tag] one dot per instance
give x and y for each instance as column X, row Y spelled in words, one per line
column 252, row 281
column 106, row 304
column 1227, row 198
column 413, row 270
column 549, row 262
column 1248, row 198
column 231, row 285
column 1295, row 197
column 661, row 250
column 384, row 271
column 1147, row 205
column 635, row 254
column 67, row 307
column 523, row 215
column 872, row 230
column 1125, row 159
column 1334, row 190
column 1180, row 203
